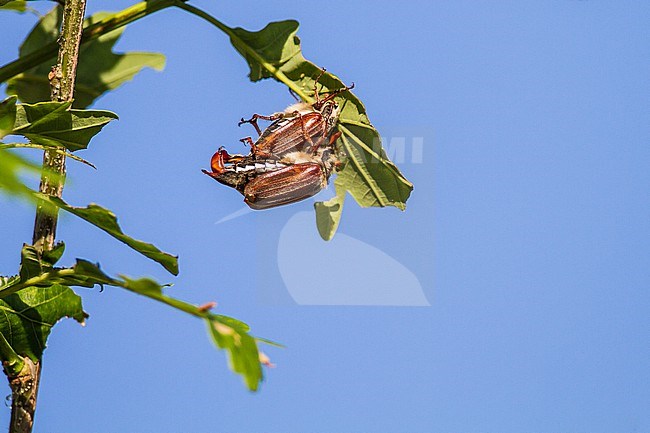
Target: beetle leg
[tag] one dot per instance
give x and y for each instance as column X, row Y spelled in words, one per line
column 316, row 145
column 323, row 135
column 255, row 151
column 335, row 137
column 336, row 93
column 249, row 141
column 332, row 139
column 322, row 71
column 253, row 120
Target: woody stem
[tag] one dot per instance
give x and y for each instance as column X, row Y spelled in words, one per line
column 24, row 385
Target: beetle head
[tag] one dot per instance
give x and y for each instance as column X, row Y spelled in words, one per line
column 328, row 103
column 221, row 172
column 217, row 163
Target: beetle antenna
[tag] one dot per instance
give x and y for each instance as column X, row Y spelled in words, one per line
column 335, row 93
column 322, row 71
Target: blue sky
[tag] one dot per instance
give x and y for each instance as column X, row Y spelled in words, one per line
column 527, row 231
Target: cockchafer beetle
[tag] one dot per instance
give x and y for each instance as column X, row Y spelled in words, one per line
column 291, row 160
column 272, row 182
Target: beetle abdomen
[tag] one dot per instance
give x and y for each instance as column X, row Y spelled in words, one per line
column 253, row 166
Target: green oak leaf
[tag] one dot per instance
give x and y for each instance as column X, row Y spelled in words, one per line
column 143, row 286
column 13, row 5
column 7, row 282
column 368, row 174
column 30, row 263
column 232, row 322
column 90, row 273
column 328, row 213
column 55, row 124
column 12, row 167
column 370, row 177
column 227, row 333
column 28, row 316
column 7, row 115
column 99, row 69
column 243, row 354
column 96, row 215
column 51, row 257
column 34, row 263
column 46, row 125
column 106, row 220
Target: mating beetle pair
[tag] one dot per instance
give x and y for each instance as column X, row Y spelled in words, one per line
column 291, row 160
